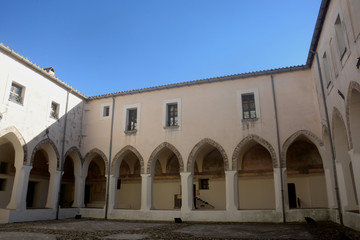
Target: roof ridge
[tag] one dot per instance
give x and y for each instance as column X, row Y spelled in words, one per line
column 36, row 67
column 203, row 81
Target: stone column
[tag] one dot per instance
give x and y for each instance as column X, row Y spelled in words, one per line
column 112, row 191
column 231, row 178
column 53, row 190
column 79, row 192
column 355, row 161
column 146, row 192
column 20, row 186
column 186, row 192
column 278, row 194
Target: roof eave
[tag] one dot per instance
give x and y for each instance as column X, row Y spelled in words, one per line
column 317, row 31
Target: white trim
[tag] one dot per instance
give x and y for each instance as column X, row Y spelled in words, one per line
column 255, row 91
column 165, row 113
column 24, row 95
column 108, row 104
column 136, row 106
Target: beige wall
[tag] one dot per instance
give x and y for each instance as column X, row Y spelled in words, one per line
column 256, row 193
column 207, row 111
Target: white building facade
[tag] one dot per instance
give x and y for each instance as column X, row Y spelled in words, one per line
column 255, row 147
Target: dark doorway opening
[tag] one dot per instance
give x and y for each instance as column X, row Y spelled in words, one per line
column 292, row 195
column 30, row 194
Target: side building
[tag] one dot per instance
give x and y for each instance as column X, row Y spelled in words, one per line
column 267, row 146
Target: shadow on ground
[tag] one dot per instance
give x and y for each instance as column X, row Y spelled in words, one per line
column 107, row 230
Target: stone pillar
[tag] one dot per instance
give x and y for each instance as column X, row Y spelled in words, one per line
column 231, row 178
column 20, row 186
column 330, row 187
column 186, row 192
column 53, row 190
column 278, row 194
column 79, row 192
column 146, row 192
column 112, row 191
column 355, row 161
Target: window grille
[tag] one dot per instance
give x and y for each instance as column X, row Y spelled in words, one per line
column 248, row 106
column 172, row 114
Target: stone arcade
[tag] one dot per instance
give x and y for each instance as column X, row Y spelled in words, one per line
column 268, row 146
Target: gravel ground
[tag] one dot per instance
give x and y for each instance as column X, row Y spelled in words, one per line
column 90, row 230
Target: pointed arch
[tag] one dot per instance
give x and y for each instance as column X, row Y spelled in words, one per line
column 75, row 150
column 337, row 114
column 87, row 158
column 121, row 153
column 353, row 86
column 158, row 149
column 258, row 140
column 40, row 145
column 200, row 144
column 307, row 134
column 20, row 138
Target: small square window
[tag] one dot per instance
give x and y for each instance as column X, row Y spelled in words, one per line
column 16, row 93
column 172, row 114
column 54, row 111
column 131, row 119
column 106, row 111
column 2, row 184
column 3, row 167
column 203, row 184
column 248, row 106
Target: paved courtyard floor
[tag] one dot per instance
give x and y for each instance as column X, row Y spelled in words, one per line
column 106, row 230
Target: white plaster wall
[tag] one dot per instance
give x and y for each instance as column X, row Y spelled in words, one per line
column 208, row 111
column 33, row 116
column 215, row 195
column 256, row 193
column 311, row 189
column 164, row 191
column 129, row 196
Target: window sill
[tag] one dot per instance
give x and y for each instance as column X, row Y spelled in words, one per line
column 19, row 103
column 130, row 132
column 250, row 120
column 171, row 127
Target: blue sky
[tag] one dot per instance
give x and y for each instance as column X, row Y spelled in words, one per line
column 101, row 47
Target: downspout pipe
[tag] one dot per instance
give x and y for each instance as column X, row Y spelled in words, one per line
column 62, row 155
column 331, row 140
column 109, row 166
column 278, row 145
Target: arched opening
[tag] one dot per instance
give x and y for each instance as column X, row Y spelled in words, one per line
column 256, row 178
column 7, row 170
column 305, row 175
column 95, row 184
column 354, row 117
column 67, row 184
column 39, row 178
column 166, row 180
column 343, row 165
column 209, row 179
column 128, row 185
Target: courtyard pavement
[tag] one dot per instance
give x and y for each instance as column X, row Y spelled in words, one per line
column 106, row 230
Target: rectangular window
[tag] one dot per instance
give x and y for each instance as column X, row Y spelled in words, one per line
column 131, row 119
column 106, row 111
column 248, row 106
column 340, row 37
column 54, row 111
column 326, row 69
column 172, row 114
column 203, row 184
column 16, row 93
